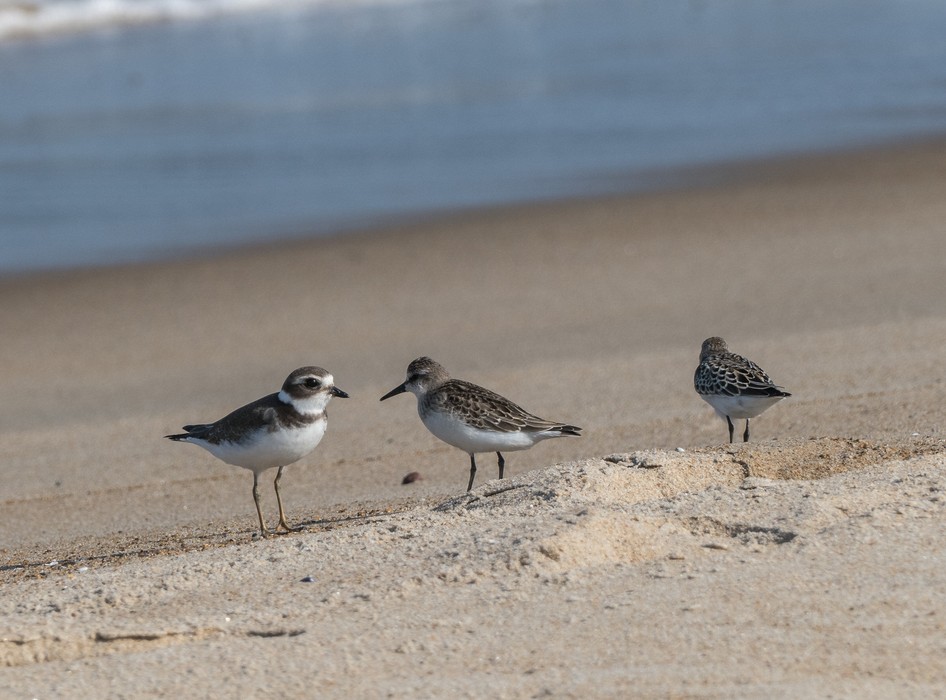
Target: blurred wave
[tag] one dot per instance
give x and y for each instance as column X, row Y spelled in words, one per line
column 21, row 19
column 311, row 117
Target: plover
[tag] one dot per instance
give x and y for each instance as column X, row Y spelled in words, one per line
column 472, row 418
column 273, row 431
column 734, row 386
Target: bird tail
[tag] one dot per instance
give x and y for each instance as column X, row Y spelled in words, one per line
column 192, row 431
column 569, row 430
column 768, row 390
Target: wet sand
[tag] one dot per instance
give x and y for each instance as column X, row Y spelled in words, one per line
column 808, row 562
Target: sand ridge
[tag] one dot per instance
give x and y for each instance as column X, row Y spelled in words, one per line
column 555, row 536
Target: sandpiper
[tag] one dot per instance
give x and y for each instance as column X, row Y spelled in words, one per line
column 472, row 418
column 273, row 431
column 734, row 386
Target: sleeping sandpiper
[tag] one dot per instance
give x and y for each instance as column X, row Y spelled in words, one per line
column 273, row 431
column 472, row 418
column 734, row 386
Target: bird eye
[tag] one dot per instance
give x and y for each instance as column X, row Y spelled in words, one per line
column 312, row 382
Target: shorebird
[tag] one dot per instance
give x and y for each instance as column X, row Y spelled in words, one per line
column 734, row 386
column 472, row 418
column 273, row 431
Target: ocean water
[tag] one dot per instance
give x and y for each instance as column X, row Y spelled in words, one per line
column 138, row 129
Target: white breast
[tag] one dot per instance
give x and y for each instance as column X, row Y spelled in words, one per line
column 740, row 406
column 265, row 450
column 472, row 440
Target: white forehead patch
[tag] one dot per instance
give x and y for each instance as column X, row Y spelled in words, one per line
column 327, row 381
column 324, row 379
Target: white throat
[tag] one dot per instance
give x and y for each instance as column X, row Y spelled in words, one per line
column 309, row 406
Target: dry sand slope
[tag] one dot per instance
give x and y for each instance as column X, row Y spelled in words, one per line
column 715, row 573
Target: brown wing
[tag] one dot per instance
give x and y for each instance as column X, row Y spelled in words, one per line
column 237, row 424
column 729, row 374
column 487, row 410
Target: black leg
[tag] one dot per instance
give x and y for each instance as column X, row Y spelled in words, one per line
column 502, row 463
column 731, row 428
column 745, row 435
column 472, row 471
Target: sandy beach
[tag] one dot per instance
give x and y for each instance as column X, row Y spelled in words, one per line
column 647, row 558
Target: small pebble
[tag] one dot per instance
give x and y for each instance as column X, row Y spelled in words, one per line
column 716, row 545
column 307, row 579
column 680, row 449
column 411, row 478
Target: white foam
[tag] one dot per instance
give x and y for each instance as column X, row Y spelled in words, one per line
column 21, row 19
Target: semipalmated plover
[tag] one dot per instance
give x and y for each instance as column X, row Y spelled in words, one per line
column 273, row 431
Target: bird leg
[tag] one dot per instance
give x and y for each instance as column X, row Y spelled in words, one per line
column 262, row 526
column 472, row 471
column 745, row 435
column 282, row 514
column 502, row 463
column 731, row 428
